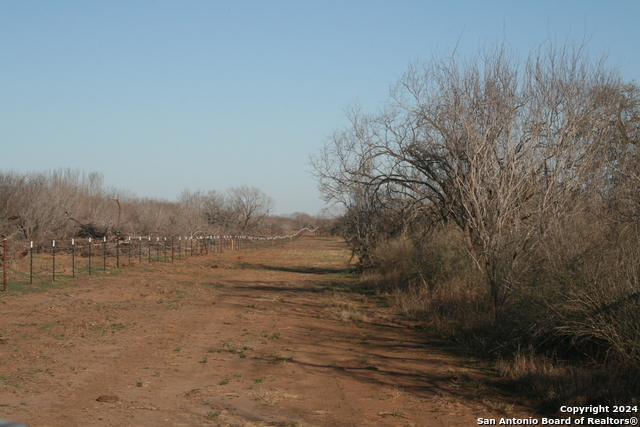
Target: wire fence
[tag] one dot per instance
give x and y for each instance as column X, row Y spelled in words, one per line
column 30, row 262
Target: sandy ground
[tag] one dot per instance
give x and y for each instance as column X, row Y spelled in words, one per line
column 279, row 336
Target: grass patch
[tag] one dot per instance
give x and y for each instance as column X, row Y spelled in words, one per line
column 267, row 397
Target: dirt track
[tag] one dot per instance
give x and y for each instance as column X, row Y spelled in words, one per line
column 273, row 337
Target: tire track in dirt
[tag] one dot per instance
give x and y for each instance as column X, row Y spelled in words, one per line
column 276, row 337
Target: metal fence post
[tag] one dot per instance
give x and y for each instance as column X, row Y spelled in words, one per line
column 53, row 264
column 194, row 245
column 31, row 263
column 73, row 258
column 89, row 256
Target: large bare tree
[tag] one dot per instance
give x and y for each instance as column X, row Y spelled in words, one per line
column 250, row 205
column 498, row 145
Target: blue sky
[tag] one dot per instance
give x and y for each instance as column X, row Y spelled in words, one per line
column 161, row 96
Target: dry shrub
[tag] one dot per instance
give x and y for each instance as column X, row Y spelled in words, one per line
column 588, row 300
column 580, row 319
column 576, row 308
column 343, row 307
column 581, row 299
column 556, row 384
column 432, row 279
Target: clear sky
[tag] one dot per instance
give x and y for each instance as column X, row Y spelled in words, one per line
column 161, row 96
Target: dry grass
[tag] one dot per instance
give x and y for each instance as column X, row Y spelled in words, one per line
column 397, row 392
column 556, row 384
column 267, row 397
column 272, row 397
column 346, row 309
column 577, row 310
column 287, row 423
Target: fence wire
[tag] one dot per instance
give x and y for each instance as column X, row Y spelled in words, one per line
column 30, row 262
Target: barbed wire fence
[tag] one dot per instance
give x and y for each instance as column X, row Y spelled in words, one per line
column 25, row 263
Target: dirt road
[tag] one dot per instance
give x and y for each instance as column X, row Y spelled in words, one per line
column 273, row 337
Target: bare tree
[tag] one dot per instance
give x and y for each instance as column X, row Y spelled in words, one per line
column 65, row 203
column 218, row 211
column 10, row 186
column 192, row 216
column 152, row 217
column 45, row 202
column 498, row 146
column 250, row 206
column 623, row 190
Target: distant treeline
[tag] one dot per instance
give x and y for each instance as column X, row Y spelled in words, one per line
column 69, row 203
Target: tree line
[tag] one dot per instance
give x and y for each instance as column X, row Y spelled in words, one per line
column 502, row 193
column 70, row 203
